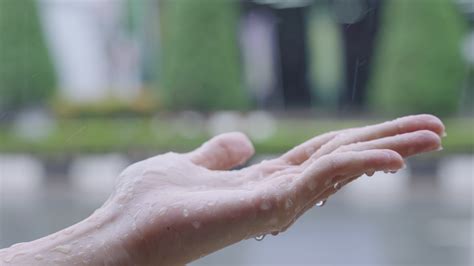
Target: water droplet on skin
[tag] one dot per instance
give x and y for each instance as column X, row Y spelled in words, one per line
column 65, row 249
column 321, row 203
column 185, row 212
column 17, row 245
column 265, row 205
column 68, row 231
column 9, row 258
column 162, row 211
column 393, row 171
column 260, row 237
column 273, row 221
column 196, row 224
column 38, row 257
column 386, row 171
column 134, row 226
column 370, row 173
column 275, row 233
column 122, row 198
column 337, row 186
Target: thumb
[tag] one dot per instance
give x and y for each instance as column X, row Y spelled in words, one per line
column 223, row 152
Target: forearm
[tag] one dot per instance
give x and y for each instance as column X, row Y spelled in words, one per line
column 93, row 241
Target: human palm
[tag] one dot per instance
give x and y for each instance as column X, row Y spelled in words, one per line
column 176, row 208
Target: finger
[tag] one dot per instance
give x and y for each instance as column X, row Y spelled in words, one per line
column 399, row 126
column 302, row 152
column 405, row 144
column 223, row 152
column 328, row 192
column 303, row 190
column 337, row 167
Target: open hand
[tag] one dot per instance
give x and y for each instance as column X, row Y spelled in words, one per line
column 184, row 206
column 174, row 208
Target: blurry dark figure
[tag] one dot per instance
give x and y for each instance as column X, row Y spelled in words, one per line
column 291, row 84
column 360, row 21
column 293, row 56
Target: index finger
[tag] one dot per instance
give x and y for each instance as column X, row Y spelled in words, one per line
column 328, row 142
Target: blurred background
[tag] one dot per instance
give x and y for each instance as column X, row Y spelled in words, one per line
column 90, row 86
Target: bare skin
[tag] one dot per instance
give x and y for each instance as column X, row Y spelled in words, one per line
column 174, row 208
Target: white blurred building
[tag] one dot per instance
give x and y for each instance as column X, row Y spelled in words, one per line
column 94, row 55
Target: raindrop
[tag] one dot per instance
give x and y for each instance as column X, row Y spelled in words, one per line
column 68, row 231
column 393, row 171
column 185, row 212
column 260, row 237
column 265, row 205
column 196, row 224
column 370, row 173
column 134, row 225
column 321, row 203
column 288, row 203
column 17, row 245
column 162, row 211
column 65, row 249
column 337, row 186
column 10, row 257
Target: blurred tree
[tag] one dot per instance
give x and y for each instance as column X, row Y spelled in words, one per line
column 26, row 72
column 419, row 66
column 201, row 57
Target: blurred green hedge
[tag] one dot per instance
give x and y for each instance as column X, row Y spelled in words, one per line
column 26, row 73
column 419, row 66
column 201, row 56
column 152, row 136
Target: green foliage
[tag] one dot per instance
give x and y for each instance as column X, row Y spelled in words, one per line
column 419, row 66
column 26, row 74
column 201, row 58
column 99, row 135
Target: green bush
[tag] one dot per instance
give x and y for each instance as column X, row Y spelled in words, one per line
column 26, row 74
column 201, row 57
column 419, row 66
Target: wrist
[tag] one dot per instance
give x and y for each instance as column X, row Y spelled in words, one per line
column 92, row 241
